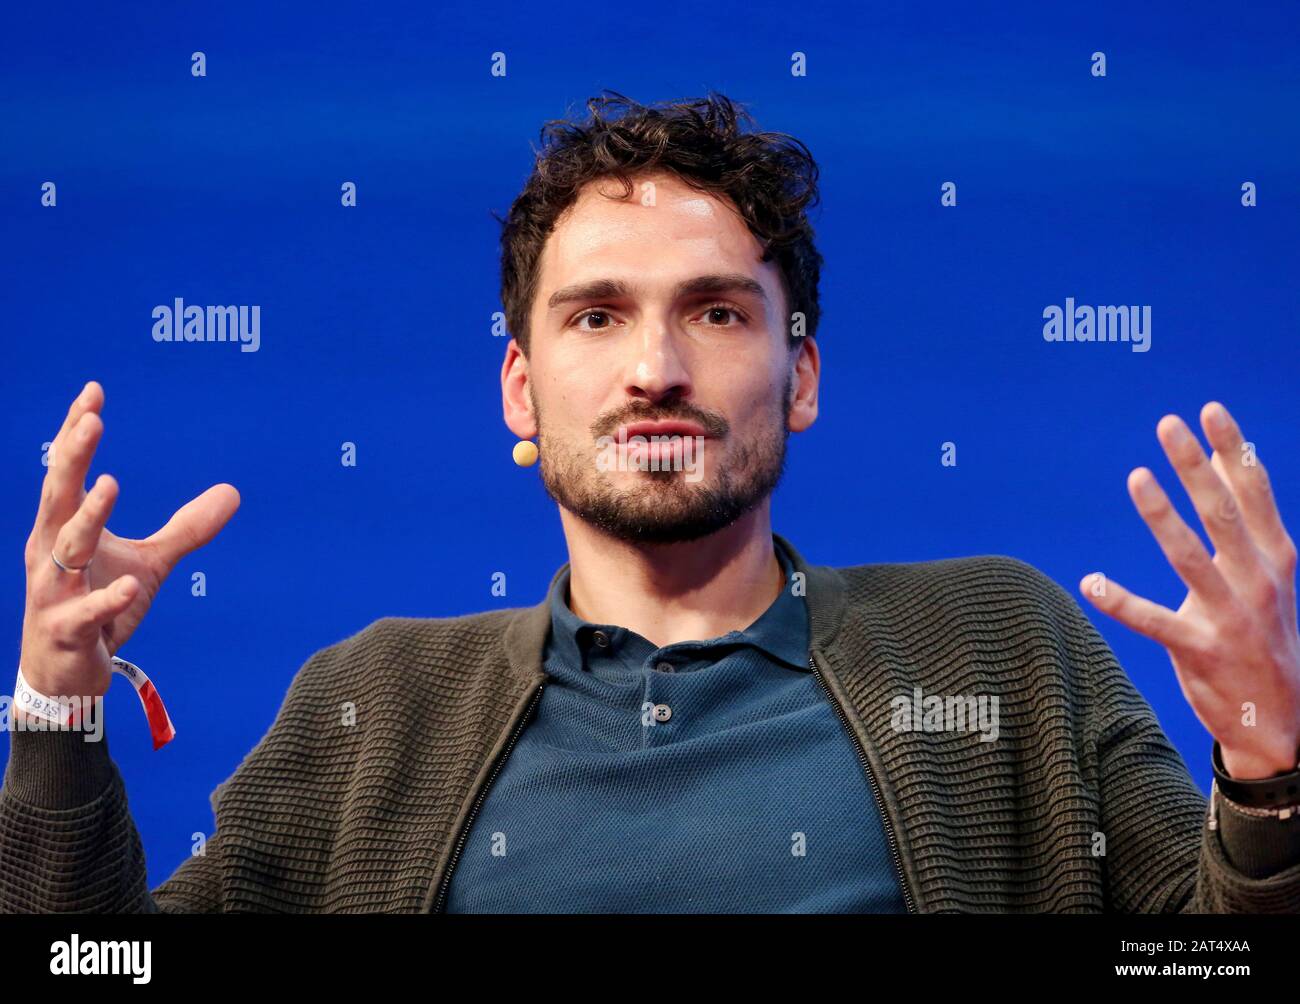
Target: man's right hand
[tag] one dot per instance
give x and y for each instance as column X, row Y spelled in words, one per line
column 75, row 621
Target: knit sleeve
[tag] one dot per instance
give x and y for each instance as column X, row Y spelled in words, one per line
column 68, row 843
column 67, row 840
column 1161, row 855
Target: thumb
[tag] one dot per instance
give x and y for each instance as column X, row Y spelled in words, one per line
column 195, row 523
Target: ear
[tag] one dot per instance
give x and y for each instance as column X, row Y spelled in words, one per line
column 807, row 374
column 515, row 402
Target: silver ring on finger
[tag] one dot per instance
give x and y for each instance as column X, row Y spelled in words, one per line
column 69, row 568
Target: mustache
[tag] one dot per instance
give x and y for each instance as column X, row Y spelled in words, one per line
column 714, row 425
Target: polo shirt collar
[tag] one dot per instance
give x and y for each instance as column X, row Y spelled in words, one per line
column 781, row 631
column 525, row 629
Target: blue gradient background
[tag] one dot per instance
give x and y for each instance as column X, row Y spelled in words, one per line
column 376, row 320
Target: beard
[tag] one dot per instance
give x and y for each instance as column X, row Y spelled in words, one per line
column 663, row 507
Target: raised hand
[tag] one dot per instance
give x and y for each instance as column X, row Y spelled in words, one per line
column 76, row 620
column 1233, row 642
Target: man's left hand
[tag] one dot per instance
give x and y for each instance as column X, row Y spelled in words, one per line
column 1233, row 642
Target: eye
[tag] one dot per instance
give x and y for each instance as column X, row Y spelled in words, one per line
column 603, row 314
column 715, row 309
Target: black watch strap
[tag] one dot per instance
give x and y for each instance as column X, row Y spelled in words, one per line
column 1262, row 793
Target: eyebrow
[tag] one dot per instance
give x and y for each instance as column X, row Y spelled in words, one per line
column 609, row 289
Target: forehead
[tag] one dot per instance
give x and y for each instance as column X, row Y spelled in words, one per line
column 684, row 232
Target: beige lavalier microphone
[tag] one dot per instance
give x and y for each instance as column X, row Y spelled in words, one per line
column 525, row 453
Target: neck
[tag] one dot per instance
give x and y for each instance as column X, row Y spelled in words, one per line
column 667, row 593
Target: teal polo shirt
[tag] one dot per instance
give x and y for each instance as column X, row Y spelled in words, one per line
column 705, row 776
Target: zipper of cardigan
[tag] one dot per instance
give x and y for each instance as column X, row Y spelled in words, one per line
column 478, row 802
column 875, row 789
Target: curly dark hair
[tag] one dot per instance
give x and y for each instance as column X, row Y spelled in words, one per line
column 771, row 177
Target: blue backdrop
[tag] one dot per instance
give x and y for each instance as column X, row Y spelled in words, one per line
column 376, row 320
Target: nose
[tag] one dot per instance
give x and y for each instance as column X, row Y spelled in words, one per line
column 656, row 368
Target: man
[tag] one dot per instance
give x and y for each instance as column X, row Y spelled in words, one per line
column 694, row 719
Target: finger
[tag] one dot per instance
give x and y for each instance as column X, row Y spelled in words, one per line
column 1178, row 541
column 66, row 477
column 70, row 454
column 195, row 523
column 1247, row 478
column 77, row 622
column 1210, row 496
column 1146, row 618
column 91, row 398
column 78, row 538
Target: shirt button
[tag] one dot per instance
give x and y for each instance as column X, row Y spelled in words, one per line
column 662, row 712
column 600, row 638
column 666, row 667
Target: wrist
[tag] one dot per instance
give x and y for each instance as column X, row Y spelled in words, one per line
column 1244, row 765
column 1275, row 792
column 64, row 686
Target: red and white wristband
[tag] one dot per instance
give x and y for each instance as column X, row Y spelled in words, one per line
column 66, row 713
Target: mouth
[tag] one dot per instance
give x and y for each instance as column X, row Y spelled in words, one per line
column 670, row 428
